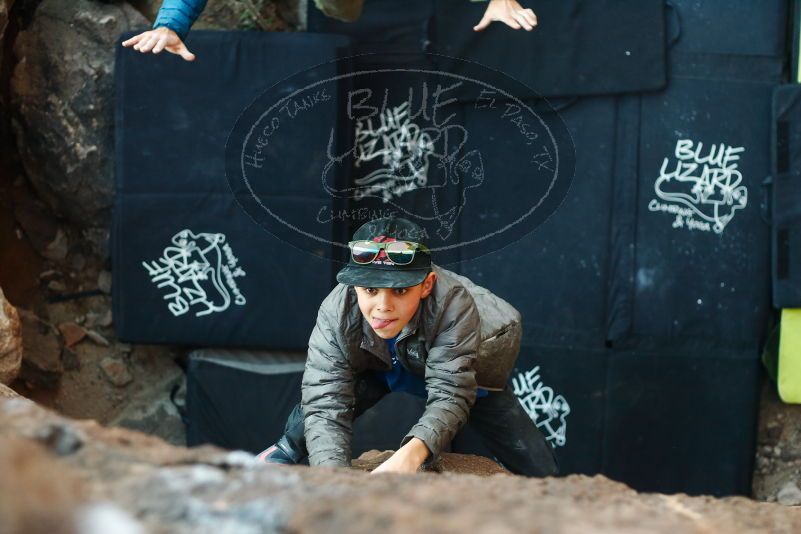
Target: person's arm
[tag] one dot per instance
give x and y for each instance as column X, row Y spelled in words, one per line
column 510, row 13
column 179, row 15
column 450, row 377
column 170, row 28
column 327, row 398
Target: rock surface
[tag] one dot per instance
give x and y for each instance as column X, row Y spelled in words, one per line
column 116, row 371
column 61, row 94
column 5, row 7
column 159, row 488
column 40, row 227
column 789, row 495
column 7, row 392
column 41, row 352
column 10, row 341
column 152, row 410
column 72, row 333
column 778, row 452
column 32, row 477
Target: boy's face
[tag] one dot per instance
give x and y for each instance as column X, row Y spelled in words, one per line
column 388, row 310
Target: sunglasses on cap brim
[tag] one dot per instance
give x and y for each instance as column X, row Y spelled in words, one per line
column 398, row 252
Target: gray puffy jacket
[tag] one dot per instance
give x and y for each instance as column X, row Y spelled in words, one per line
column 462, row 336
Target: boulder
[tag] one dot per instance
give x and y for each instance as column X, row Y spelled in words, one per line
column 41, row 228
column 7, row 392
column 61, row 98
column 155, row 487
column 5, row 7
column 10, row 341
column 789, row 495
column 39, row 493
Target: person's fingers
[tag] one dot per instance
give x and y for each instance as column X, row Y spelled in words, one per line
column 187, row 55
column 162, row 42
column 133, row 40
column 149, row 44
column 531, row 17
column 182, row 51
column 143, row 41
column 520, row 18
column 483, row 23
column 511, row 22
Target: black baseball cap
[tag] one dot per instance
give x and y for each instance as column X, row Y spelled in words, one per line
column 382, row 272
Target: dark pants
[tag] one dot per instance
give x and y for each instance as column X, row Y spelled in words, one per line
column 507, row 431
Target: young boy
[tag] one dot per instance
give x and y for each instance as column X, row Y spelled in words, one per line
column 397, row 322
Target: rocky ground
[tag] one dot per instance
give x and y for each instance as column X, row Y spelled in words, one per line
column 61, row 475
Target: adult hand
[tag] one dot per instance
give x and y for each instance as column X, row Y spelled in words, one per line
column 161, row 38
column 407, row 459
column 510, row 13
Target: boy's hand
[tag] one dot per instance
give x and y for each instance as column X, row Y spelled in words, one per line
column 510, row 13
column 160, row 39
column 407, row 459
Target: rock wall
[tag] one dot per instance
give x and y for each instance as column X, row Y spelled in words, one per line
column 76, row 475
column 62, row 112
column 10, row 341
column 5, row 7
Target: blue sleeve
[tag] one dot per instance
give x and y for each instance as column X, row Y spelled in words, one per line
column 179, row 15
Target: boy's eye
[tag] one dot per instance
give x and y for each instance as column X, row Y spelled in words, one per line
column 374, row 291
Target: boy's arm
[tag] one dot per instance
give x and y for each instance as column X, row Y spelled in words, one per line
column 327, row 397
column 450, row 377
column 179, row 15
